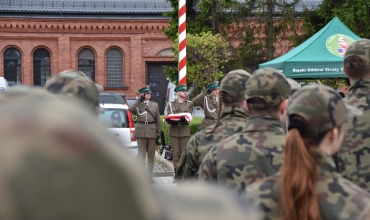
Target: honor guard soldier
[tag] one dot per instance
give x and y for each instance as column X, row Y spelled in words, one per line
column 148, row 126
column 208, row 101
column 179, row 131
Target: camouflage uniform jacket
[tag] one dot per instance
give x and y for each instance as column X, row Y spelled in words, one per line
column 243, row 158
column 353, row 156
column 210, row 107
column 339, row 198
column 232, row 121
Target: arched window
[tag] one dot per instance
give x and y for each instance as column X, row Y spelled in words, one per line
column 114, row 68
column 12, row 66
column 41, row 66
column 86, row 63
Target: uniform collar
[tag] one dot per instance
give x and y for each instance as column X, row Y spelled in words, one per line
column 264, row 123
column 360, row 86
column 232, row 112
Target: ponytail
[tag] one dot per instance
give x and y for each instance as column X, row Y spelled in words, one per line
column 220, row 100
column 299, row 173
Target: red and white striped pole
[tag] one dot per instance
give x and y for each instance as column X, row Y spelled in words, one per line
column 182, row 42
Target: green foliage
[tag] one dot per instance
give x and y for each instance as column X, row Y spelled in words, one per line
column 194, row 127
column 206, row 57
column 334, row 83
column 230, row 19
column 355, row 14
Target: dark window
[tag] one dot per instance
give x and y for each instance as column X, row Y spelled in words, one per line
column 114, row 68
column 153, row 75
column 12, row 66
column 86, row 63
column 155, row 93
column 41, row 66
column 154, row 83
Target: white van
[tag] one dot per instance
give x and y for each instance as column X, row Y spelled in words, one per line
column 3, row 84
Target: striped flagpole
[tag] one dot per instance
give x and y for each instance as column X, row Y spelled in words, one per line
column 182, row 42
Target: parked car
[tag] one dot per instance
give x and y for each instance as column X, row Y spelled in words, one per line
column 131, row 100
column 119, row 121
column 3, row 84
column 112, row 97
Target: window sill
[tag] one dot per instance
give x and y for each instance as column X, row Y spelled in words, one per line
column 116, row 87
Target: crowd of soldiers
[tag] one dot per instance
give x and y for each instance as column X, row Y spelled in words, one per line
column 268, row 150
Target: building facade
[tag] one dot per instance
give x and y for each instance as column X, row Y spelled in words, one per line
column 118, row 43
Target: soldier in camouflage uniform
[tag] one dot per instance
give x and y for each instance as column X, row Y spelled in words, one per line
column 74, row 84
column 257, row 151
column 353, row 156
column 232, row 120
column 308, row 186
column 57, row 162
column 179, row 132
column 208, row 101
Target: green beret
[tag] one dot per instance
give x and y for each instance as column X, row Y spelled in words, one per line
column 145, row 89
column 180, row 87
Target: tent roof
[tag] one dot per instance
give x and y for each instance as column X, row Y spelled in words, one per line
column 321, row 56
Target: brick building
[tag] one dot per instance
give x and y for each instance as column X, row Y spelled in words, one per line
column 118, row 43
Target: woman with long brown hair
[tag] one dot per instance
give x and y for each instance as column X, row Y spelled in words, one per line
column 308, row 186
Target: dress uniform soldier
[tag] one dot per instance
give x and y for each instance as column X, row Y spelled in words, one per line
column 208, row 101
column 179, row 132
column 148, row 126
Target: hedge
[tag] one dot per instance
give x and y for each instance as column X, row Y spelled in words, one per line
column 194, row 127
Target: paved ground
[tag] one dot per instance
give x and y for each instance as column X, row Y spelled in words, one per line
column 163, row 172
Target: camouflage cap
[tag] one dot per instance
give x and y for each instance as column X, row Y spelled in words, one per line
column 180, row 87
column 268, row 84
column 294, row 85
column 145, row 89
column 321, row 107
column 100, row 87
column 57, row 162
column 234, row 84
column 357, row 57
column 78, row 72
column 213, row 85
column 73, row 84
column 26, row 93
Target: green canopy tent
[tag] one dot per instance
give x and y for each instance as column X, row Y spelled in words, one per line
column 321, row 56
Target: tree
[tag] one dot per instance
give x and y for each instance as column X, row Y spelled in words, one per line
column 231, row 19
column 355, row 14
column 206, row 56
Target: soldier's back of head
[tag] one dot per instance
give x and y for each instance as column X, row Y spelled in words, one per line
column 57, row 162
column 267, row 88
column 356, row 60
column 73, row 84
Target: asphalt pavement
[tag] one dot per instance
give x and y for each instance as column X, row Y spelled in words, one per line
column 163, row 172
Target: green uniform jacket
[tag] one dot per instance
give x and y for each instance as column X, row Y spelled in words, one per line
column 210, row 107
column 354, row 154
column 339, row 199
column 243, row 158
column 153, row 128
column 232, row 121
column 176, row 107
